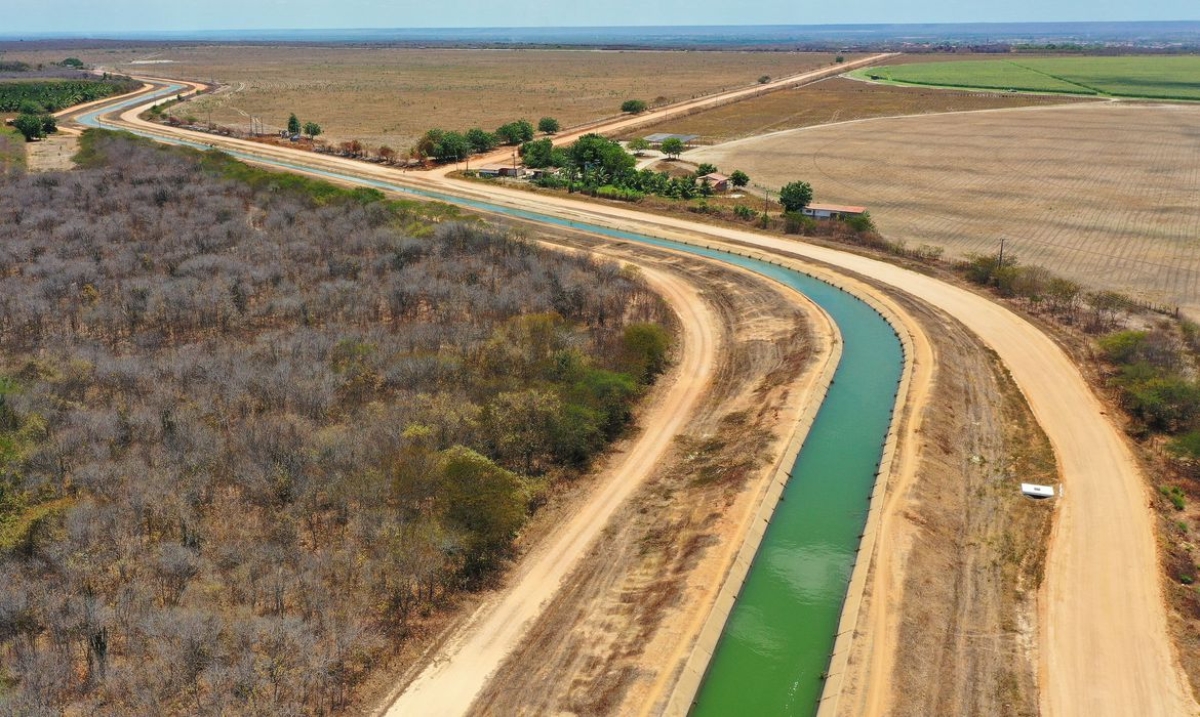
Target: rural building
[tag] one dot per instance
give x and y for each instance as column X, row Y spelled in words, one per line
column 832, row 211
column 719, row 182
column 500, row 170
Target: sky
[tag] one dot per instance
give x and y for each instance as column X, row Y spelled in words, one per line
column 99, row 18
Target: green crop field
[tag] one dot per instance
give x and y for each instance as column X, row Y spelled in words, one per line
column 1157, row 77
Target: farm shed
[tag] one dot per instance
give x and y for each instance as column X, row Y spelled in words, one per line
column 500, row 170
column 830, row 211
column 719, row 182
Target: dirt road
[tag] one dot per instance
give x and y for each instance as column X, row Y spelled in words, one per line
column 1104, row 648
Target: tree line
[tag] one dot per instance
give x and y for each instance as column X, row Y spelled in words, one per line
column 454, row 146
column 254, row 428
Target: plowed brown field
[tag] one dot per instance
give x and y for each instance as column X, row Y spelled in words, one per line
column 1101, row 193
column 838, row 99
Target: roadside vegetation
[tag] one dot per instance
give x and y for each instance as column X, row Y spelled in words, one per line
column 255, row 428
column 452, row 146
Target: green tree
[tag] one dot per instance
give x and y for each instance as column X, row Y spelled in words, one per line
column 644, row 349
column 608, row 392
column 548, row 125
column 795, row 196
column 739, row 178
column 633, row 107
column 30, row 125
column 483, row 501
column 638, row 145
column 312, row 129
column 538, row 153
column 706, row 168
column 764, row 79
column 672, row 147
column 453, row 147
column 593, row 152
column 515, row 132
column 481, row 140
column 72, row 62
column 293, row 125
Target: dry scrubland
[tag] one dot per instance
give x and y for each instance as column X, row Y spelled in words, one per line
column 392, row 95
column 1101, row 193
column 252, row 437
column 834, row 100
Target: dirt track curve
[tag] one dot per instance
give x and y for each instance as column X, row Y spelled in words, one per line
column 1104, row 648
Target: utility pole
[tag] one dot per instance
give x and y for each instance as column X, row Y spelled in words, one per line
column 999, row 262
column 766, row 199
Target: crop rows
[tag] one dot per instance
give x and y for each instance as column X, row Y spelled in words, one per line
column 1170, row 77
column 994, row 74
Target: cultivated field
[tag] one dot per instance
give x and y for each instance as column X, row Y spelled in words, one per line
column 1159, row 77
column 1101, row 193
column 390, row 96
column 834, row 100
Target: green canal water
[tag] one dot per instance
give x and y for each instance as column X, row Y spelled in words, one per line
column 777, row 643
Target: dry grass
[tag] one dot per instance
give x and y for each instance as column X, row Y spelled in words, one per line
column 383, row 95
column 835, row 100
column 1103, row 193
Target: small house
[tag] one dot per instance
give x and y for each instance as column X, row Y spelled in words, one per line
column 719, row 182
column 833, row 211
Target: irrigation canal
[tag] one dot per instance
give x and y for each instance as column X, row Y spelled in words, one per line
column 777, row 643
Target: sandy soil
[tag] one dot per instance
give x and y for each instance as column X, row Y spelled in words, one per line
column 1102, row 193
column 1102, row 642
column 52, row 154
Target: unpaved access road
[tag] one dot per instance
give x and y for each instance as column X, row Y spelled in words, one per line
column 1103, row 644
